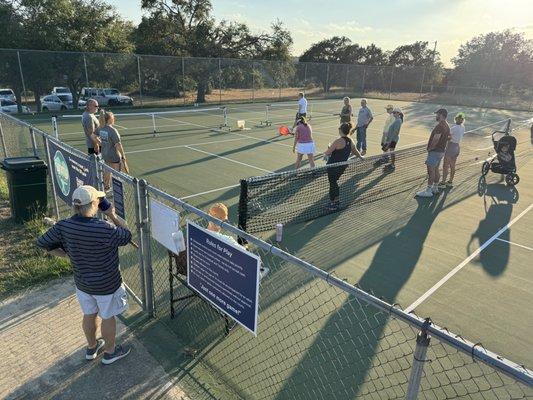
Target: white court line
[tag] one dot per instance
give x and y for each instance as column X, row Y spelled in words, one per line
column 229, row 159
column 465, row 261
column 208, row 191
column 120, row 126
column 516, row 244
column 182, row 145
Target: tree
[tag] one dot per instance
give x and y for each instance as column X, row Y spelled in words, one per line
column 415, row 54
column 65, row 25
column 189, row 30
column 493, row 60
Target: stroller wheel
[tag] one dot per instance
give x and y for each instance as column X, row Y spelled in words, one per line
column 512, row 179
column 485, row 168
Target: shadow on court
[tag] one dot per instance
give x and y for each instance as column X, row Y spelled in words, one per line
column 499, row 200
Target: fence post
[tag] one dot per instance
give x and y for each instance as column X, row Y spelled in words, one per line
column 140, row 250
column 327, row 81
column 253, row 81
column 363, row 84
column 85, row 67
column 419, row 358
column 4, row 147
column 305, row 76
column 22, row 78
column 146, row 249
column 52, row 176
column 219, row 81
column 422, row 84
column 391, row 79
column 140, row 80
column 33, row 143
column 346, row 80
column 183, row 80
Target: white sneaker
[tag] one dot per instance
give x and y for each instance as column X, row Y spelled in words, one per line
column 435, row 189
column 425, row 193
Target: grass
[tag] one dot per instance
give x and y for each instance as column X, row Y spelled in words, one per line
column 22, row 263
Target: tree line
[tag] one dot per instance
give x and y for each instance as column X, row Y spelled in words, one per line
column 187, row 28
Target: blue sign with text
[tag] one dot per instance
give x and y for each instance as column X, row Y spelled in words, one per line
column 118, row 197
column 224, row 274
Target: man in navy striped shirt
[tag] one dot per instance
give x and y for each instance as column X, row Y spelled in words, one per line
column 92, row 246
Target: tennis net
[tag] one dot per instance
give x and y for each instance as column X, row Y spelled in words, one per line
column 302, row 195
column 284, row 113
column 176, row 121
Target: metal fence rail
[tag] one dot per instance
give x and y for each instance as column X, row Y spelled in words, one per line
column 160, row 81
column 319, row 336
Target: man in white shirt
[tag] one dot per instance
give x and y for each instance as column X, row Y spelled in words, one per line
column 302, row 109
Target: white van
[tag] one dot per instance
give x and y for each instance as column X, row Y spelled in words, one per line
column 7, row 94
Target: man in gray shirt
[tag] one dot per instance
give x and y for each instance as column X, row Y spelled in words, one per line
column 90, row 125
column 364, row 118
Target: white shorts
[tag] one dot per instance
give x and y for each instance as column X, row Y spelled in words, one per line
column 106, row 306
column 305, row 148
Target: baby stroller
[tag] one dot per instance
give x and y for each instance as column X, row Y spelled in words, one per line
column 503, row 162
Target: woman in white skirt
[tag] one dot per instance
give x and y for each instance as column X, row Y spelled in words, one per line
column 303, row 142
column 457, row 132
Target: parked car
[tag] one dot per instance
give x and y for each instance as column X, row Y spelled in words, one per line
column 61, row 90
column 106, row 96
column 59, row 102
column 9, row 106
column 7, row 94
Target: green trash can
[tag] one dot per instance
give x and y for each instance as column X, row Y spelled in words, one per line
column 26, row 180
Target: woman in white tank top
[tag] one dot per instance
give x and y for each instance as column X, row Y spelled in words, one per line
column 457, row 132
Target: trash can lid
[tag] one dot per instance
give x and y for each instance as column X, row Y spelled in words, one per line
column 22, row 163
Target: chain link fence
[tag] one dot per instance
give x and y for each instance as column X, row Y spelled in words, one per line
column 318, row 335
column 161, row 81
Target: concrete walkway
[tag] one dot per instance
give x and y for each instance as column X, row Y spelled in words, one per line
column 44, row 349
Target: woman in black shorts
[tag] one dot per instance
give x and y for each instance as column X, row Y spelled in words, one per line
column 339, row 151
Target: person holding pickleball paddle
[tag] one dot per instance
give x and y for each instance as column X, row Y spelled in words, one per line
column 111, row 147
column 92, row 245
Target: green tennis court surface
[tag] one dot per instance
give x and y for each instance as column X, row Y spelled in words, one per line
column 423, row 254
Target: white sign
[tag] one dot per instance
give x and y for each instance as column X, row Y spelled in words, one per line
column 165, row 226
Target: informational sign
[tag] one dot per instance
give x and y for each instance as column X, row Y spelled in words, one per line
column 224, row 274
column 118, row 197
column 165, row 226
column 70, row 171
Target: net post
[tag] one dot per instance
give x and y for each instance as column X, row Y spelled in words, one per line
column 22, row 79
column 144, row 217
column 154, row 127
column 219, row 81
column 363, row 82
column 33, row 143
column 4, row 147
column 85, row 67
column 52, row 176
column 243, row 209
column 54, row 127
column 267, row 115
column 419, row 358
column 142, row 244
column 422, row 84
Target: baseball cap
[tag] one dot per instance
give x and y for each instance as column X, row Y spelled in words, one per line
column 397, row 109
column 219, row 210
column 389, row 107
column 442, row 111
column 86, row 194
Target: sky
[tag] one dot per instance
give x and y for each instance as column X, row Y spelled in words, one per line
column 387, row 23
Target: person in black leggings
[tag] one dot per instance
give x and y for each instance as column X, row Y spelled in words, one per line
column 339, row 151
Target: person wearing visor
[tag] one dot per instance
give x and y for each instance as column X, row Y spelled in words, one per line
column 92, row 245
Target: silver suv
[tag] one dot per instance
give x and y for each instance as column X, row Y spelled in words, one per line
column 106, row 96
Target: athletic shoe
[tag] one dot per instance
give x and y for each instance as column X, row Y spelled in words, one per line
column 91, row 354
column 363, row 152
column 442, row 185
column 120, row 352
column 449, row 184
column 425, row 193
column 435, row 189
column 390, row 167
